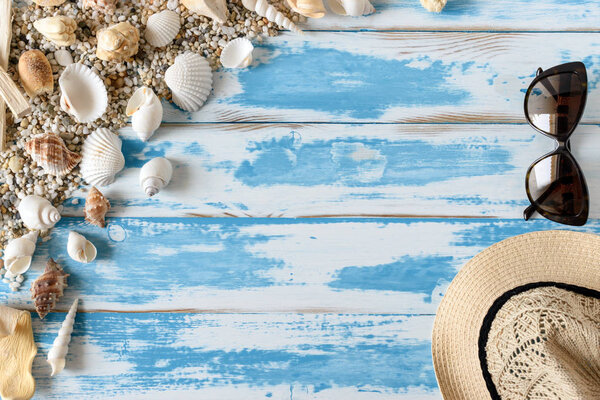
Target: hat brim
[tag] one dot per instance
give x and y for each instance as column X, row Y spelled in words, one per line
column 549, row 256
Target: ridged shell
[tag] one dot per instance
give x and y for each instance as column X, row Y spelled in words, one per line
column 146, row 112
column 51, row 153
column 60, row 347
column 48, row 288
column 118, row 42
column 162, row 28
column 60, row 30
column 264, row 9
column 190, row 81
column 102, row 157
column 213, row 9
column 37, row 213
column 105, row 6
column 353, row 8
column 96, row 207
column 155, row 175
column 83, row 95
column 237, row 53
column 80, row 249
column 308, row 8
column 19, row 253
column 433, row 5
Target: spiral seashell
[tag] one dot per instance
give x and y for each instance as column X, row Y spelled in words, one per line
column 60, row 30
column 308, row 8
column 83, row 95
column 119, row 42
column 264, row 9
column 48, row 288
column 190, row 81
column 237, row 53
column 353, row 8
column 146, row 112
column 433, row 5
column 213, row 9
column 37, row 213
column 51, row 153
column 96, row 207
column 60, row 347
column 19, row 253
column 155, row 175
column 162, row 28
column 80, row 249
column 102, row 157
column 35, row 73
column 105, row 6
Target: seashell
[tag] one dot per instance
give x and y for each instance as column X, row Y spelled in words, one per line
column 213, row 9
column 237, row 53
column 51, row 153
column 35, row 73
column 308, row 8
column 102, row 157
column 190, row 80
column 60, row 30
column 83, row 95
column 19, row 253
column 63, row 57
column 433, row 5
column 264, row 9
column 118, row 42
column 80, row 249
column 49, row 3
column 353, row 8
column 58, row 353
column 48, row 288
column 37, row 213
column 96, row 207
column 105, row 6
column 155, row 175
column 162, row 28
column 146, row 112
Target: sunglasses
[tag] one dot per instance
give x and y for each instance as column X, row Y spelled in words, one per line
column 555, row 184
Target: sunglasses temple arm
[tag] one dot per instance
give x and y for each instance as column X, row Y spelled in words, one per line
column 528, row 212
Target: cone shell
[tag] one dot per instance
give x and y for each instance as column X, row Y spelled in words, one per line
column 58, row 353
column 308, row 8
column 237, row 53
column 35, row 73
column 118, row 43
column 155, row 175
column 162, row 28
column 83, row 95
column 48, row 288
column 264, row 9
column 102, row 157
column 37, row 213
column 213, row 9
column 96, row 207
column 146, row 111
column 353, row 8
column 105, row 6
column 51, row 153
column 80, row 249
column 190, row 81
column 60, row 30
column 19, row 253
column 433, row 5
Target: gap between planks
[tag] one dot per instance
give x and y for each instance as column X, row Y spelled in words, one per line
column 333, row 216
column 334, row 311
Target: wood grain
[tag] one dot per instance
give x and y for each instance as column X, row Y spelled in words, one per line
column 5, row 37
column 12, row 96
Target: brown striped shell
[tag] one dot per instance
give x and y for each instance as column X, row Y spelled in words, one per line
column 48, row 288
column 51, row 153
column 96, row 207
column 105, row 6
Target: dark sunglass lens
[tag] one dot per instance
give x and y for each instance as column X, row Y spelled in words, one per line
column 554, row 103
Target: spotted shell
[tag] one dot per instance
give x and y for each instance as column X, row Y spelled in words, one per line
column 48, row 288
column 51, row 153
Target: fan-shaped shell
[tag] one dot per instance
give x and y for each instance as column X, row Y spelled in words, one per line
column 48, row 288
column 118, row 43
column 60, row 30
column 19, row 253
column 37, row 213
column 162, row 28
column 80, row 249
column 237, row 53
column 51, row 153
column 102, row 157
column 146, row 112
column 213, row 9
column 105, row 6
column 155, row 175
column 308, row 8
column 190, row 81
column 96, row 207
column 353, row 8
column 84, row 95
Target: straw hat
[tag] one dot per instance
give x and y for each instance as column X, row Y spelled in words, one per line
column 521, row 320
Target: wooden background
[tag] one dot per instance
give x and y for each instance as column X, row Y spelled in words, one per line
column 399, row 139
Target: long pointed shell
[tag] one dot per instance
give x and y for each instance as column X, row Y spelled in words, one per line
column 308, row 8
column 353, row 8
column 162, row 28
column 155, row 175
column 35, row 73
column 51, row 153
column 102, row 157
column 96, row 207
column 146, row 112
column 237, row 53
column 80, row 249
column 213, row 9
column 83, row 95
column 37, row 213
column 60, row 30
column 264, row 9
column 48, row 288
column 433, row 5
column 19, row 253
column 118, row 43
column 105, row 6
column 190, row 81
column 58, row 353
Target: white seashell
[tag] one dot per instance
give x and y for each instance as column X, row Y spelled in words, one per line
column 155, row 175
column 213, row 9
column 353, row 8
column 146, row 112
column 162, row 28
column 190, row 81
column 58, row 353
column 63, row 57
column 83, row 93
column 80, row 249
column 264, row 9
column 60, row 30
column 237, row 53
column 37, row 213
column 308, row 8
column 19, row 253
column 102, row 157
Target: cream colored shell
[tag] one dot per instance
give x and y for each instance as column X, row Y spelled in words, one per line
column 83, row 94
column 264, row 9
column 80, row 249
column 60, row 347
column 308, row 8
column 190, row 81
column 155, row 175
column 19, row 253
column 35, row 73
column 102, row 157
column 237, row 53
column 353, row 8
column 213, row 9
column 37, row 213
column 433, row 5
column 60, row 30
column 146, row 111
column 162, row 28
column 118, row 42
column 49, row 3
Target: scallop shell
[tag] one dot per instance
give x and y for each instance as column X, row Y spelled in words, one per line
column 60, row 30
column 84, row 95
column 80, row 249
column 190, row 81
column 162, row 28
column 213, row 9
column 264, row 9
column 60, row 347
column 105, row 6
column 48, row 288
column 146, row 112
column 37, row 213
column 353, row 8
column 237, row 53
column 155, row 175
column 51, row 153
column 35, row 73
column 433, row 5
column 102, row 157
column 19, row 253
column 96, row 207
column 118, row 42
column 308, row 8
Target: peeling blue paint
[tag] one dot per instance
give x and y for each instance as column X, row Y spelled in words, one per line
column 137, row 153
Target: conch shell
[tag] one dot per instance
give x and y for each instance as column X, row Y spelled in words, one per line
column 60, row 30
column 433, row 5
column 105, row 6
column 155, row 175
column 118, row 42
column 96, row 207
column 51, row 153
column 213, row 9
column 84, row 95
column 264, row 9
column 48, row 288
column 102, row 157
column 19, row 253
column 58, row 353
column 146, row 112
column 35, row 73
column 37, row 213
column 308, row 8
column 237, row 53
column 353, row 8
column 80, row 249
